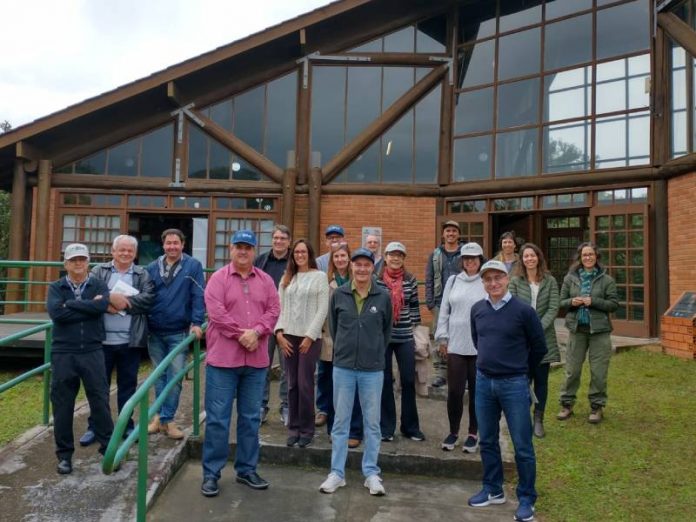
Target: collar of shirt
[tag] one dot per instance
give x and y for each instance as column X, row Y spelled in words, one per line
column 497, row 306
column 129, row 271
column 271, row 255
column 233, row 272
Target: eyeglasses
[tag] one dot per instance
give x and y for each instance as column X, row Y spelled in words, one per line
column 589, row 255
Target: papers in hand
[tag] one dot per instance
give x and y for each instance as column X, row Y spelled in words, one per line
column 124, row 288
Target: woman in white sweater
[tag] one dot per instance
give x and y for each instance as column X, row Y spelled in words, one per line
column 304, row 303
column 453, row 334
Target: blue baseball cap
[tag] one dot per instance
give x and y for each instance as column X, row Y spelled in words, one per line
column 335, row 229
column 362, row 252
column 244, row 236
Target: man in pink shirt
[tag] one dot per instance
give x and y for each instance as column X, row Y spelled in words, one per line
column 243, row 308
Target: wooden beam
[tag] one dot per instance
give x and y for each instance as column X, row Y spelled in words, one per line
column 27, row 151
column 18, row 226
column 660, row 251
column 174, row 94
column 373, row 131
column 289, row 183
column 248, row 153
column 679, row 166
column 444, row 168
column 661, row 96
column 38, row 292
column 679, row 31
column 315, row 177
column 304, row 111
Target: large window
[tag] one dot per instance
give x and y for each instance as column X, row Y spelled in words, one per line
column 225, row 227
column 428, row 36
column 551, row 87
column 95, row 231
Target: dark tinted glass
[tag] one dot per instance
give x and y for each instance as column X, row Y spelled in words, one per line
column 556, row 8
column 158, row 153
column 241, row 170
column 397, row 151
column 197, row 153
column 373, row 46
column 568, row 42
column 431, row 35
column 476, row 20
column 623, row 29
column 222, row 114
column 427, row 137
column 516, row 154
column 249, row 117
column 363, row 104
column 397, row 80
column 94, row 164
column 518, row 103
column 474, row 111
column 476, row 64
column 280, row 119
column 519, row 13
column 123, row 158
column 365, row 168
column 472, row 158
column 401, row 41
column 519, row 54
column 328, row 113
column 220, row 160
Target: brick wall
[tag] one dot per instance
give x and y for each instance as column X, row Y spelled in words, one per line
column 681, row 193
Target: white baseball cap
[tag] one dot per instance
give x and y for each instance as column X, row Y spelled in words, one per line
column 76, row 250
column 471, row 250
column 395, row 246
column 494, row 264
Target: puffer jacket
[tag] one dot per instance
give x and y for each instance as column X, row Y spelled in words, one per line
column 604, row 301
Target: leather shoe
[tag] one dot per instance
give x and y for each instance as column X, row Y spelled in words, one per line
column 209, row 488
column 88, row 438
column 320, row 419
column 64, row 467
column 252, row 480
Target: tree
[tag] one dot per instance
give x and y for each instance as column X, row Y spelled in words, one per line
column 5, row 126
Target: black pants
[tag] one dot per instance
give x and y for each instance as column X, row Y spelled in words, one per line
column 540, row 376
column 406, row 359
column 126, row 360
column 68, row 369
column 461, row 370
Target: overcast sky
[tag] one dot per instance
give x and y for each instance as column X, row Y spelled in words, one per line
column 55, row 53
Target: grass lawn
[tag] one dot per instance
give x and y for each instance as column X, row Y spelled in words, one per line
column 638, row 464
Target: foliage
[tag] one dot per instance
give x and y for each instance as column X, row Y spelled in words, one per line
column 635, row 465
column 4, row 224
column 5, row 126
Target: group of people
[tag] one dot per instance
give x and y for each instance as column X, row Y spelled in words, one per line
column 343, row 316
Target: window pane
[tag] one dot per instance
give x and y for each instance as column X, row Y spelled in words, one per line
column 617, row 89
column 516, row 154
column 94, row 164
column 623, row 140
column 476, row 64
column 365, row 168
column 220, row 161
column 519, row 54
column 431, row 35
column 198, row 149
column 474, row 111
column 280, row 121
column 476, row 20
column 400, row 42
column 328, row 102
column 221, row 114
column 556, row 8
column 568, row 94
column 568, row 42
column 623, row 29
column 397, row 151
column 567, row 147
column 158, row 153
column 363, row 104
column 249, row 116
column 518, row 103
column 397, row 80
column 518, row 13
column 639, row 139
column 472, row 158
column 427, row 137
column 123, row 158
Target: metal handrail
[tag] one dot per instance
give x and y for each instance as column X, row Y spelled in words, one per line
column 117, row 448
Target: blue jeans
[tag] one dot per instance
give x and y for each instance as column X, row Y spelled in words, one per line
column 369, row 386
column 159, row 346
column 222, row 386
column 511, row 397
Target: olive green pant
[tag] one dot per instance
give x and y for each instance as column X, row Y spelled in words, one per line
column 597, row 348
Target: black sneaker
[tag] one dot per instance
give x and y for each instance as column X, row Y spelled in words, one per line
column 470, row 444
column 450, row 442
column 387, row 438
column 252, row 480
column 292, row 440
column 209, row 488
column 439, row 382
column 304, row 442
column 418, row 436
column 64, row 467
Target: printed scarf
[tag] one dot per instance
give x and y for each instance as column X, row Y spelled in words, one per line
column 586, row 279
column 394, row 279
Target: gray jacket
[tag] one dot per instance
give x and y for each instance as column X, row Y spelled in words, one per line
column 360, row 340
column 140, row 304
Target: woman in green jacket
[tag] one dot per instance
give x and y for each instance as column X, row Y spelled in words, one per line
column 533, row 283
column 589, row 296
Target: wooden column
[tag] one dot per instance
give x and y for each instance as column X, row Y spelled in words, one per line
column 289, row 184
column 661, row 99
column 315, row 176
column 661, row 251
column 17, row 227
column 303, row 124
column 446, row 119
column 41, row 237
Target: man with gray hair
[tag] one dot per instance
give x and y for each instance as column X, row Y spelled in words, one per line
column 131, row 294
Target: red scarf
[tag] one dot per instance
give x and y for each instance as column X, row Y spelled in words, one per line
column 394, row 279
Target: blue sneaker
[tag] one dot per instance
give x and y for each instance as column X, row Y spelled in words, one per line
column 525, row 512
column 483, row 498
column 88, row 438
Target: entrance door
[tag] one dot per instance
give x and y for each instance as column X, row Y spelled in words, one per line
column 521, row 224
column 562, row 235
column 474, row 227
column 148, row 228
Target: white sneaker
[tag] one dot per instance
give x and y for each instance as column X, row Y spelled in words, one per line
column 332, row 483
column 374, row 484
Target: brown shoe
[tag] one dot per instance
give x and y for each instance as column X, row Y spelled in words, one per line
column 565, row 413
column 353, row 443
column 154, row 425
column 172, row 431
column 595, row 416
column 320, row 419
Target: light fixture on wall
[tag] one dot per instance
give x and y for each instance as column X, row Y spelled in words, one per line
column 236, row 166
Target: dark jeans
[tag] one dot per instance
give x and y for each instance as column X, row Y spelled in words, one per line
column 356, row 417
column 540, row 376
column 325, row 387
column 461, row 370
column 299, row 368
column 67, row 370
column 126, row 360
column 406, row 359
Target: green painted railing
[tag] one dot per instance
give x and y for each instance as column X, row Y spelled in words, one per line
column 41, row 326
column 118, row 448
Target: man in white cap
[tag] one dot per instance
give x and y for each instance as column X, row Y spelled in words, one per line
column 76, row 303
column 510, row 342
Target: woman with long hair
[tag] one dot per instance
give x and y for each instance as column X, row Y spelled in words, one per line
column 403, row 289
column 304, row 304
column 507, row 254
column 589, row 295
column 453, row 334
column 533, row 283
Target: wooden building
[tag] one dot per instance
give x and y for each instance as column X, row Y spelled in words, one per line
column 563, row 120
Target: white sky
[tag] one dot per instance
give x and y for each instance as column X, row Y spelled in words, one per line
column 55, row 53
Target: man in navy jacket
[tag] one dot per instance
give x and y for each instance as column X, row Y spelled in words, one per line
column 76, row 304
column 510, row 342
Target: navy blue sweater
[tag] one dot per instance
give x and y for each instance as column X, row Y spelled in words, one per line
column 509, row 341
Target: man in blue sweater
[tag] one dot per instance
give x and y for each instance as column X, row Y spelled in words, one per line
column 510, row 342
column 177, row 311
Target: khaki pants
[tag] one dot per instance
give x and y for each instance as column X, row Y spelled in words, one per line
column 597, row 348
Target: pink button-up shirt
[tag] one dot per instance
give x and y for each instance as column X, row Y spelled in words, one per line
column 235, row 304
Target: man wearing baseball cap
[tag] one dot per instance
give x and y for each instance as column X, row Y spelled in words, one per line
column 334, row 235
column 76, row 303
column 510, row 342
column 360, row 323
column 243, row 308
